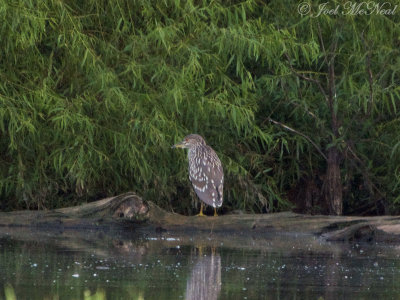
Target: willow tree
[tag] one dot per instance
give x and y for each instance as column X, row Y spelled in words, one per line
column 337, row 81
column 93, row 93
column 330, row 82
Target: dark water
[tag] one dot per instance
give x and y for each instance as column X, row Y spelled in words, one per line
column 94, row 265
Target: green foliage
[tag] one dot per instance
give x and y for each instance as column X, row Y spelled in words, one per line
column 94, row 93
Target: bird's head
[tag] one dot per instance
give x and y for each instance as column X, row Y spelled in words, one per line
column 190, row 141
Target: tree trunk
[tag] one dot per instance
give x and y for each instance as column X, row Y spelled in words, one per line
column 333, row 186
column 333, row 183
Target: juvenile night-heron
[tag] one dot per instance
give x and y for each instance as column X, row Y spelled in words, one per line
column 205, row 171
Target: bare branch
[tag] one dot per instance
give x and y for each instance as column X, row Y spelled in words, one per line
column 364, row 170
column 370, row 76
column 301, row 134
column 311, row 114
column 321, row 41
column 317, row 82
column 332, row 89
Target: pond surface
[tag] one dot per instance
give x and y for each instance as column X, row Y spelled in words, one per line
column 98, row 265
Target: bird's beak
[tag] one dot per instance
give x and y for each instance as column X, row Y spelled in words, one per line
column 179, row 145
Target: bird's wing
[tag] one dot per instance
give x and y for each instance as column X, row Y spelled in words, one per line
column 207, row 177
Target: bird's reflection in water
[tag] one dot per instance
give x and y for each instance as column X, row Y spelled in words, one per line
column 204, row 281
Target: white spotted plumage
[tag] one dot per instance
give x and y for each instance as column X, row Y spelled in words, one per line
column 206, row 173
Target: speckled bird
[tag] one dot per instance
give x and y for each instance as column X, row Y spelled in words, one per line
column 205, row 171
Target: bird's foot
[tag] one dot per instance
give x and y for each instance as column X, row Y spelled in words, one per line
column 200, row 214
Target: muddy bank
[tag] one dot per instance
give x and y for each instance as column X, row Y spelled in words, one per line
column 130, row 213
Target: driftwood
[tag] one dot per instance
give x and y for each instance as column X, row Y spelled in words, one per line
column 128, row 212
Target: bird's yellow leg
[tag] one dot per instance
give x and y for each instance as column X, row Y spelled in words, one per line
column 200, row 214
column 215, row 212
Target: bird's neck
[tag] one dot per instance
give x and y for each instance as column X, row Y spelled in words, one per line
column 193, row 152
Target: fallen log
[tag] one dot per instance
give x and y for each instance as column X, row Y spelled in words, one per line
column 129, row 211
